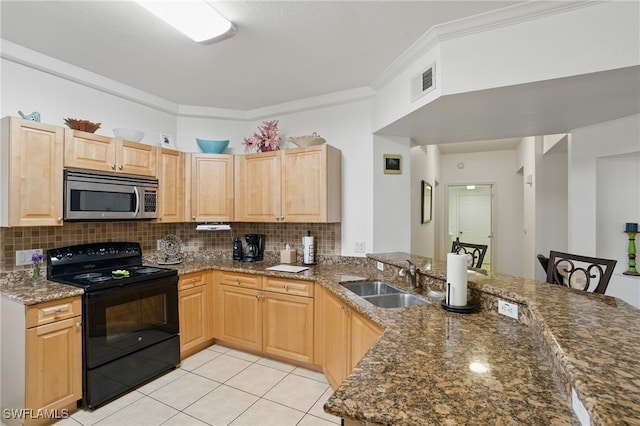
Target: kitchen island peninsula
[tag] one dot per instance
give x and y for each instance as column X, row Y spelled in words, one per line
column 431, row 366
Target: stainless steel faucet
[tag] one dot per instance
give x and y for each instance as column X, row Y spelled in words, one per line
column 411, row 275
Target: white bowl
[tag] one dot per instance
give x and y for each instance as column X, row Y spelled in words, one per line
column 132, row 135
column 303, row 141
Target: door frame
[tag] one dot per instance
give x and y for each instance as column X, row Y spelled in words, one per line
column 444, row 234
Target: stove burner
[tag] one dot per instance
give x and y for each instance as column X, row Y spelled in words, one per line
column 146, row 270
column 99, row 279
column 87, row 275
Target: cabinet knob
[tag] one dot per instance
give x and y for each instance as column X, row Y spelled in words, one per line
column 113, row 167
column 59, row 219
column 120, row 167
column 57, row 310
column 193, row 280
column 193, row 217
column 79, row 324
column 286, row 287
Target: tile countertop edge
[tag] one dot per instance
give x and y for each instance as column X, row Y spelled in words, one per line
column 559, row 347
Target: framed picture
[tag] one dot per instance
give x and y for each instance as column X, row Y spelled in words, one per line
column 427, row 202
column 166, row 141
column 392, row 164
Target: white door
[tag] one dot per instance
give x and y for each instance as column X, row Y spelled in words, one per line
column 472, row 217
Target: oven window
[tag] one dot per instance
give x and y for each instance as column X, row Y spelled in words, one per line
column 102, row 201
column 135, row 316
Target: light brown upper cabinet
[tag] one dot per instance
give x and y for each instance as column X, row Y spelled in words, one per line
column 84, row 150
column 171, row 185
column 31, row 156
column 292, row 185
column 209, row 196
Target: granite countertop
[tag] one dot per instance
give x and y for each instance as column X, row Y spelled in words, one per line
column 436, row 367
column 18, row 286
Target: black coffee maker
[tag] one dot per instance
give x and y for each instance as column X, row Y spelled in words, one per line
column 255, row 247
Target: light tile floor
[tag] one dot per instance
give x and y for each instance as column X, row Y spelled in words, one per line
column 220, row 386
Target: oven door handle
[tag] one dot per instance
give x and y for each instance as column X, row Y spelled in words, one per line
column 135, row 191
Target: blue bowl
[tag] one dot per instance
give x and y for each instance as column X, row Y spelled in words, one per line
column 211, row 146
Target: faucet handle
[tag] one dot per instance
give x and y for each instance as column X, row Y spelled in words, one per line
column 412, row 266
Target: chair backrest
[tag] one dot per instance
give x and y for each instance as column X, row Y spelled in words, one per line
column 475, row 252
column 580, row 272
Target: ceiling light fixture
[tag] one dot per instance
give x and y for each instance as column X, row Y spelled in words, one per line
column 195, row 18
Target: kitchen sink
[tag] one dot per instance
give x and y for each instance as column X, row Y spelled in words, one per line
column 370, row 288
column 383, row 295
column 397, row 300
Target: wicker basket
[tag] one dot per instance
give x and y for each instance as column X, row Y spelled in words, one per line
column 83, row 125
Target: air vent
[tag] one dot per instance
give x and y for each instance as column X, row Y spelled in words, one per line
column 423, row 82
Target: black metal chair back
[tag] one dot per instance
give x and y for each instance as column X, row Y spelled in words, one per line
column 476, row 252
column 580, row 272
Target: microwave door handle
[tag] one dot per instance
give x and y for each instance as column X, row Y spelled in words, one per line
column 135, row 190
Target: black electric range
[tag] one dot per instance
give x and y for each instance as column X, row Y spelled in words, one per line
column 130, row 321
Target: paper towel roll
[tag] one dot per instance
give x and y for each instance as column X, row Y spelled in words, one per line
column 308, row 250
column 456, row 279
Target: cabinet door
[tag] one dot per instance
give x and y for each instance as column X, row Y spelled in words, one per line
column 240, row 317
column 363, row 335
column 34, row 192
column 192, row 305
column 170, row 165
column 257, row 179
column 211, row 187
column 84, row 150
column 288, row 326
column 336, row 325
column 54, row 360
column 311, row 184
column 135, row 158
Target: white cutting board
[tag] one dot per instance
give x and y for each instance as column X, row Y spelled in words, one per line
column 287, row 268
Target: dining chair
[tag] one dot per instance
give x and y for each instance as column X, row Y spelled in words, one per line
column 476, row 252
column 579, row 272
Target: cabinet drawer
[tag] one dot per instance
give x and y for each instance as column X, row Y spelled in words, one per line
column 191, row 280
column 293, row 287
column 56, row 310
column 241, row 280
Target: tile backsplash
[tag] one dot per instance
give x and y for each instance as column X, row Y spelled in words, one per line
column 327, row 237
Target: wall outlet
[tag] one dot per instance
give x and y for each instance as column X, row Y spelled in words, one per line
column 159, row 245
column 508, row 309
column 380, row 266
column 23, row 257
column 360, row 247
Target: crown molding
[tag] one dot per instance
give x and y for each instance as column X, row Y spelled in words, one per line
column 510, row 15
column 32, row 59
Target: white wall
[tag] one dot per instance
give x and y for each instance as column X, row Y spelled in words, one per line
column 392, row 197
column 512, row 48
column 56, row 98
column 425, row 165
column 497, row 168
column 604, row 194
column 551, row 202
column 597, row 37
column 526, row 168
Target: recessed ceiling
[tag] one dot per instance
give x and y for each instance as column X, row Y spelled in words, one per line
column 283, row 51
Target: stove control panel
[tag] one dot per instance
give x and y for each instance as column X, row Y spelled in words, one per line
column 93, row 252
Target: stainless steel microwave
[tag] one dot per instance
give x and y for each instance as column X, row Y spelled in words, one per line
column 109, row 196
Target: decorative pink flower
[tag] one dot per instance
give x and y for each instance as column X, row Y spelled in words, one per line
column 266, row 139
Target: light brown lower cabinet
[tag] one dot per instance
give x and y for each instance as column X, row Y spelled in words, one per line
column 343, row 335
column 195, row 312
column 41, row 360
column 268, row 315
